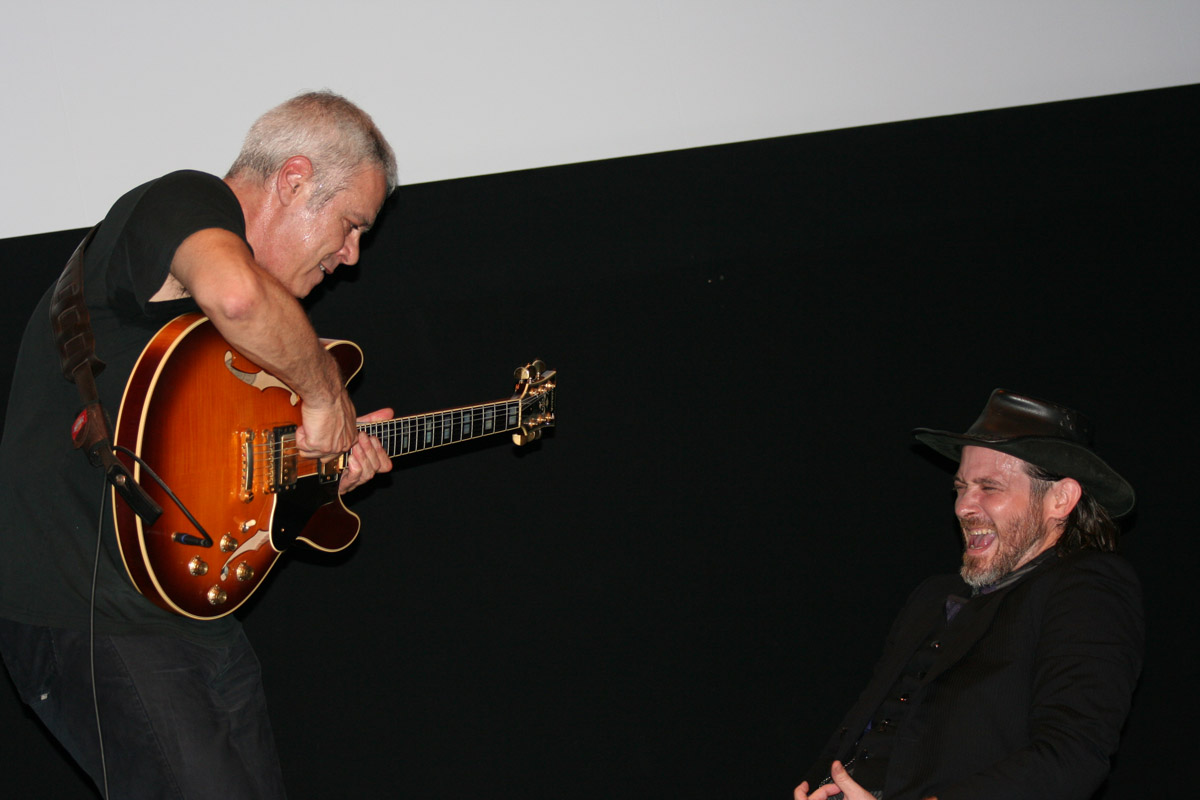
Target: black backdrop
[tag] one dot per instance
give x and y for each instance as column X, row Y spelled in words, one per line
column 680, row 590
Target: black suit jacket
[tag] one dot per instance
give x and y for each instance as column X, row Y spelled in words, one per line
column 1029, row 688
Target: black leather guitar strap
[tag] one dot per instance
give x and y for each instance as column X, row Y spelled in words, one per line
column 72, row 327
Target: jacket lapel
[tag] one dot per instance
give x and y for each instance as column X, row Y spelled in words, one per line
column 921, row 618
column 971, row 623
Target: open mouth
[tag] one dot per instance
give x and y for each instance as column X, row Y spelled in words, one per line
column 978, row 541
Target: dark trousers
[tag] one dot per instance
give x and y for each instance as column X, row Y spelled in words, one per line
column 179, row 719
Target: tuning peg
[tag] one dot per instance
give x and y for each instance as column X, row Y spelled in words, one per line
column 531, row 371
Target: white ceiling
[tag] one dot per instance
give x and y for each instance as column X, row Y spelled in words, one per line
column 101, row 96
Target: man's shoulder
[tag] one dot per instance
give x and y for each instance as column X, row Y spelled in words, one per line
column 189, row 177
column 1088, row 565
column 177, row 180
column 167, row 196
column 1086, row 582
column 185, row 182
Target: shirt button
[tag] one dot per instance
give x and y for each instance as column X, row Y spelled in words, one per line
column 904, row 697
column 936, row 645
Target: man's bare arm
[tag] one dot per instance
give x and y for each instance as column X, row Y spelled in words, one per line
column 257, row 315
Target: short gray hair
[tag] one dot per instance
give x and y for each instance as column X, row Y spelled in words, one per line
column 338, row 137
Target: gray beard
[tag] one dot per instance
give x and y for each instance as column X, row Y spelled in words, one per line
column 1012, row 545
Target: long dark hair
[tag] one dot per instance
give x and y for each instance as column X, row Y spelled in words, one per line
column 1087, row 527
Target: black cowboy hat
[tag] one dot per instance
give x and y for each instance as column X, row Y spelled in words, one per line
column 1047, row 435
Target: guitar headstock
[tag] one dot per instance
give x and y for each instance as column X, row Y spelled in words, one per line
column 535, row 388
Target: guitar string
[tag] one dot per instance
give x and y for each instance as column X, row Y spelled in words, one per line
column 404, row 435
column 398, row 440
column 394, row 445
column 394, row 429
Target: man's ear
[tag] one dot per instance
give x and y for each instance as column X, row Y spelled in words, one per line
column 294, row 179
column 1062, row 498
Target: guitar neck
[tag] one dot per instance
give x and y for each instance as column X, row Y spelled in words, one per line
column 404, row 435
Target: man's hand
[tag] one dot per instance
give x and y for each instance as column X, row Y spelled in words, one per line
column 842, row 782
column 367, row 457
column 326, row 431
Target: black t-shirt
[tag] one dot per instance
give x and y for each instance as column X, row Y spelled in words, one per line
column 50, row 495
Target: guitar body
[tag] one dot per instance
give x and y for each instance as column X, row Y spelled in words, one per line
column 218, row 432
column 214, row 440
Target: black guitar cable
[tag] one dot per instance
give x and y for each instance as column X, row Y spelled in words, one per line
column 183, row 538
column 206, row 541
column 92, row 637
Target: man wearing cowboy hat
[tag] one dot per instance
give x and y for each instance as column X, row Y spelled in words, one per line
column 1011, row 679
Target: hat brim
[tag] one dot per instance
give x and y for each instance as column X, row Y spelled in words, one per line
column 1054, row 455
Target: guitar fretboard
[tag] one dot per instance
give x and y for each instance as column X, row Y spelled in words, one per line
column 405, row 435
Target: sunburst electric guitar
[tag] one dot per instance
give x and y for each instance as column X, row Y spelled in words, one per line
column 211, row 437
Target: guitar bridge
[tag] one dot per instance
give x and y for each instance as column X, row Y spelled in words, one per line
column 246, row 440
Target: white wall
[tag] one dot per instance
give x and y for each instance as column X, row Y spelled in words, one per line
column 96, row 100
